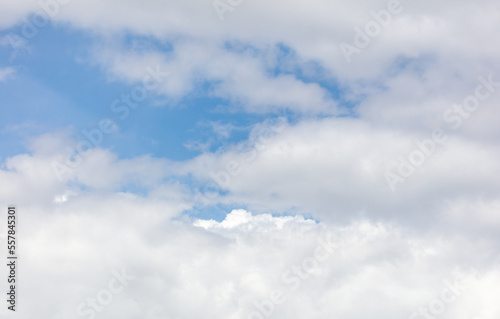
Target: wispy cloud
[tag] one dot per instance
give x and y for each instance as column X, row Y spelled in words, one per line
column 5, row 73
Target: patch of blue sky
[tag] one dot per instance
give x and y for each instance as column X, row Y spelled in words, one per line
column 51, row 90
column 55, row 89
column 418, row 65
column 217, row 212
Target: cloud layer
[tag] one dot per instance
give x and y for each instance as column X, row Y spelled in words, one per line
column 367, row 186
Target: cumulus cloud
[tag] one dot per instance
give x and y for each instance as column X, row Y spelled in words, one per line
column 338, row 169
column 79, row 233
column 232, row 268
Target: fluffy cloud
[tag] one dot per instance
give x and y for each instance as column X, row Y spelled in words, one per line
column 77, row 234
column 337, row 169
column 241, row 78
column 233, row 268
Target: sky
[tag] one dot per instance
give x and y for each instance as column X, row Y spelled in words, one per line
column 251, row 159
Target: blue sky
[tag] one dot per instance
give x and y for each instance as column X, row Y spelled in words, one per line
column 57, row 87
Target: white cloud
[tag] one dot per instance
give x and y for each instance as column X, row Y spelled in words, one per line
column 323, row 269
column 419, row 30
column 225, row 268
column 335, row 169
column 240, row 78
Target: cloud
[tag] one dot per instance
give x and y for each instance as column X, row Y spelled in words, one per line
column 408, row 55
column 416, row 31
column 50, row 169
column 336, row 169
column 242, row 79
column 229, row 268
column 77, row 233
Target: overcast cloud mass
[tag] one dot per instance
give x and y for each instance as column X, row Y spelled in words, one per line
column 240, row 159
